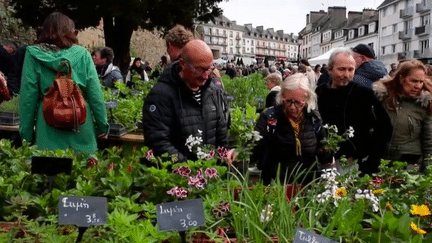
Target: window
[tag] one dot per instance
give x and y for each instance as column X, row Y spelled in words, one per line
column 231, row 34
column 371, row 27
column 351, row 34
column 371, row 45
column 384, row 12
column 394, row 7
column 210, row 31
column 395, row 28
column 252, row 42
column 424, row 44
column 361, row 31
column 383, row 50
column 224, row 33
column 408, row 25
column 394, row 48
column 252, row 50
column 244, row 49
column 384, row 31
column 217, row 31
column 231, row 42
column 424, row 20
column 244, row 42
column 231, row 50
column 406, row 46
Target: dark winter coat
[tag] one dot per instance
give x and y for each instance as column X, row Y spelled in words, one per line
column 356, row 106
column 171, row 115
column 370, row 72
column 278, row 143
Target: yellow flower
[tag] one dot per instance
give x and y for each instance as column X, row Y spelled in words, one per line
column 341, row 192
column 422, row 210
column 389, row 206
column 378, row 191
column 417, row 229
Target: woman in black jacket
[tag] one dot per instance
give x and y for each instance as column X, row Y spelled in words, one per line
column 292, row 132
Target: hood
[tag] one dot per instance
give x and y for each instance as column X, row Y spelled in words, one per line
column 381, row 92
column 51, row 56
column 373, row 70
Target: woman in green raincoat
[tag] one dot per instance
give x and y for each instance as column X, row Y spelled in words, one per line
column 57, row 43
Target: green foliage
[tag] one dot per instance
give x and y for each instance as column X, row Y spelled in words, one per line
column 250, row 90
column 11, row 105
column 13, row 29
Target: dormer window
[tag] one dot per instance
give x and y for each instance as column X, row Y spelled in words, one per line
column 361, row 31
column 372, row 27
column 351, row 34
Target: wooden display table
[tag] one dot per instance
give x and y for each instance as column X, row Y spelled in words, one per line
column 9, row 128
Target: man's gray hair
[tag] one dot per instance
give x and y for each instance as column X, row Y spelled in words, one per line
column 272, row 69
column 299, row 81
column 343, row 51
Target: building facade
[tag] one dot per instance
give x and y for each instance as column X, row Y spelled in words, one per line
column 229, row 41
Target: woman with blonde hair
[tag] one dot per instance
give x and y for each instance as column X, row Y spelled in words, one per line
column 291, row 132
column 408, row 100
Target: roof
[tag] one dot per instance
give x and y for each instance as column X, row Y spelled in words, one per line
column 386, row 2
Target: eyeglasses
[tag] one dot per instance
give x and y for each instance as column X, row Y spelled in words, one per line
column 200, row 71
column 298, row 104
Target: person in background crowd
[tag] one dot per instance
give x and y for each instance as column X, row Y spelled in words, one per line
column 230, row 71
column 291, row 132
column 103, row 58
column 368, row 70
column 7, row 63
column 274, row 81
column 407, row 98
column 308, row 72
column 305, row 62
column 393, row 70
column 265, row 72
column 324, row 77
column 176, row 39
column 286, row 74
column 148, row 66
column 317, row 71
column 185, row 103
column 56, row 43
column 138, row 67
column 343, row 103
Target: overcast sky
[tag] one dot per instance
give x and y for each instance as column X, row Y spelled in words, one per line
column 288, row 15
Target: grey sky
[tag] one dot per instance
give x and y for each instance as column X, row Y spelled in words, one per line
column 287, row 15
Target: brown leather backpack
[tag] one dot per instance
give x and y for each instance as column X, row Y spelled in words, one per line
column 64, row 106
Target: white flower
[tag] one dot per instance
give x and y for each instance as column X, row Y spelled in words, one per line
column 350, row 132
column 266, row 213
column 326, row 126
column 256, row 136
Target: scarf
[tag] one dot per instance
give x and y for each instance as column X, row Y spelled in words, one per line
column 296, row 124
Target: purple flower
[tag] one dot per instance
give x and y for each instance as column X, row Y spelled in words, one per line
column 172, row 191
column 201, row 183
column 211, row 172
column 199, row 174
column 217, row 213
column 224, row 207
column 178, row 192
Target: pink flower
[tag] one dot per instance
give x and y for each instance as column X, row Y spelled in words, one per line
column 224, row 207
column 178, row 192
column 217, row 213
column 211, row 172
column 377, row 181
column 222, row 152
column 110, row 167
column 149, row 155
column 199, row 174
column 201, row 183
column 183, row 171
column 211, row 154
column 192, row 181
column 172, row 191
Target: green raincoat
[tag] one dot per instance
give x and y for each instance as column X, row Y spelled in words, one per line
column 40, row 67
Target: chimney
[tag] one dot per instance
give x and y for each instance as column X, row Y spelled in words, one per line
column 260, row 29
column 280, row 33
column 314, row 16
column 292, row 36
column 307, row 19
column 338, row 14
column 352, row 15
column 248, row 27
column 234, row 23
column 367, row 13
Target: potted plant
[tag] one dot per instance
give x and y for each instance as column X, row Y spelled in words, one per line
column 9, row 112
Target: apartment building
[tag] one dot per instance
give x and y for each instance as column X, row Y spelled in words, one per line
column 229, row 40
column 362, row 28
column 405, row 30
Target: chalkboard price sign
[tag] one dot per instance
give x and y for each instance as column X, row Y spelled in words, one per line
column 180, row 215
column 82, row 211
column 303, row 236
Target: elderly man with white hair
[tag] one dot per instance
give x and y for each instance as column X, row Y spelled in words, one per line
column 292, row 132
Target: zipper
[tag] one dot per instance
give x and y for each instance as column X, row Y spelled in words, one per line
column 411, row 126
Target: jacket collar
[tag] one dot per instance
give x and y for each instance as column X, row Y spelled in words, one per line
column 381, row 92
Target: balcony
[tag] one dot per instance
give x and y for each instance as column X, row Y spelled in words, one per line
column 427, row 53
column 238, row 38
column 423, row 30
column 423, row 7
column 405, row 35
column 406, row 13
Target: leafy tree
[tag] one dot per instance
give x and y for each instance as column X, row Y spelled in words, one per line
column 120, row 17
column 12, row 28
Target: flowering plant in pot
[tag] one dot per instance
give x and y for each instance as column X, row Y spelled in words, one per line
column 331, row 142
